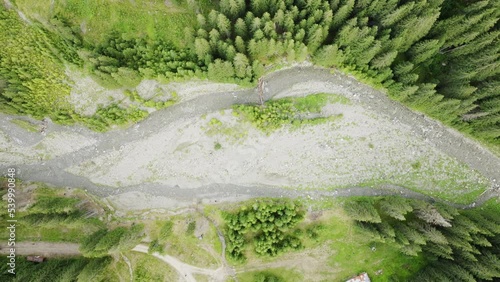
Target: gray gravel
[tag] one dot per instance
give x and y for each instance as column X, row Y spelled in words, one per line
column 278, row 84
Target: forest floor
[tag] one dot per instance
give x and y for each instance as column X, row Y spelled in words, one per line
column 171, row 160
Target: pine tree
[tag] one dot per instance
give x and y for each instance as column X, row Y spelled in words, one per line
column 240, row 28
column 397, row 15
column 425, row 50
column 395, row 207
column 240, row 45
column 438, row 250
column 342, row 13
column 212, row 19
column 224, row 26
column 362, row 211
column 429, row 214
column 202, row 48
column 384, row 59
column 386, row 231
column 220, row 71
column 413, row 29
column 202, row 21
column 329, row 56
column 241, row 65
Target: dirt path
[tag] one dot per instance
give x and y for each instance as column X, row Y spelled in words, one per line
column 130, row 270
column 186, row 271
column 46, row 249
column 126, row 165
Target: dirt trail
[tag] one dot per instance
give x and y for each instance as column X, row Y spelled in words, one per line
column 46, row 249
column 20, row 149
column 186, row 271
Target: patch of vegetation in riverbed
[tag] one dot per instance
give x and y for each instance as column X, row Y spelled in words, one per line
column 296, row 112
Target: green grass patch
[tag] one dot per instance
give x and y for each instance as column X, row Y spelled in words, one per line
column 271, row 275
column 50, row 216
column 94, row 20
column 176, row 236
column 332, row 239
column 288, row 111
column 352, row 252
column 37, row 84
column 231, row 133
column 148, row 268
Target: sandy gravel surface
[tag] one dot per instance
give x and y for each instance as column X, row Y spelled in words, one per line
column 47, row 249
column 169, row 160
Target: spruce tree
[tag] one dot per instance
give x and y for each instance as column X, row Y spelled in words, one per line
column 240, row 28
column 362, row 211
column 241, row 65
column 342, row 13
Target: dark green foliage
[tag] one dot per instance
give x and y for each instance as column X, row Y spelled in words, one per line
column 276, row 113
column 113, row 114
column 58, row 270
column 104, row 241
column 52, row 217
column 126, row 61
column 459, row 245
column 166, row 230
column 33, row 73
column 362, row 211
column 267, row 277
column 155, row 246
column 131, row 237
column 190, row 228
column 395, row 207
column 267, row 223
column 54, row 205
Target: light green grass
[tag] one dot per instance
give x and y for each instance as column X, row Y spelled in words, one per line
column 340, row 251
column 275, row 114
column 182, row 244
column 139, row 18
column 285, row 274
column 148, row 268
column 26, row 125
column 53, row 227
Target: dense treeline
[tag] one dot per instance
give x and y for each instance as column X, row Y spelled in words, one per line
column 458, row 245
column 126, row 61
column 104, row 242
column 33, row 79
column 32, row 75
column 52, row 217
column 440, row 57
column 58, row 270
column 266, row 223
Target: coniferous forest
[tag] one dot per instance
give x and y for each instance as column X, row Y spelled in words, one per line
column 440, row 57
column 458, row 245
